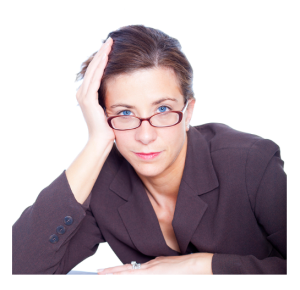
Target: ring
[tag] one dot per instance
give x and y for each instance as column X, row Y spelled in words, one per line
column 135, row 265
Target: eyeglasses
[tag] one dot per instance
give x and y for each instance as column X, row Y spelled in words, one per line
column 159, row 120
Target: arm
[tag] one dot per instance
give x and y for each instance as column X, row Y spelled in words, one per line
column 35, row 249
column 83, row 172
column 58, row 231
column 266, row 185
column 33, row 252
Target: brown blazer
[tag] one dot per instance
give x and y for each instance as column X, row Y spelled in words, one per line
column 231, row 202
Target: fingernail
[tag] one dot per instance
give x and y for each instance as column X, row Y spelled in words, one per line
column 109, row 274
column 100, row 270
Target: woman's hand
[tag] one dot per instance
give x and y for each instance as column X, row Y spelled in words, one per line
column 87, row 96
column 198, row 263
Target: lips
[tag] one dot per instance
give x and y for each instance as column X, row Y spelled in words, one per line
column 147, row 156
column 147, row 153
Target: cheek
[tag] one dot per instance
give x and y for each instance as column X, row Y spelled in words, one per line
column 174, row 138
column 170, row 136
column 124, row 141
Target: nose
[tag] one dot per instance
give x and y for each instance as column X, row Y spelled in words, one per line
column 145, row 133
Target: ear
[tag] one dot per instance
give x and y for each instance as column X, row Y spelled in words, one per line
column 189, row 113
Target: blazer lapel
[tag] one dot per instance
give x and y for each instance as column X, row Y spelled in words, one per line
column 198, row 177
column 138, row 214
column 188, row 212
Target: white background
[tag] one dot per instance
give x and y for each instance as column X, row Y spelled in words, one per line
column 245, row 56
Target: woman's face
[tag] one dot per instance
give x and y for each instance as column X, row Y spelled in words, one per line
column 134, row 94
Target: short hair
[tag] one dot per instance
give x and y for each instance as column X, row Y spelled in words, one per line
column 138, row 47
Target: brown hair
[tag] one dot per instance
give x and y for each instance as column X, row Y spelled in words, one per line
column 138, row 47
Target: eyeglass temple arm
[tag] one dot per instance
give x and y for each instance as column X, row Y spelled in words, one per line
column 186, row 105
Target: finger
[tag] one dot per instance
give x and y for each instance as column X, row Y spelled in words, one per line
column 106, row 45
column 96, row 80
column 92, row 67
column 115, row 269
column 105, row 49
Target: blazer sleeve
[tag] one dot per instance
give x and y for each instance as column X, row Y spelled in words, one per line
column 266, row 186
column 54, row 234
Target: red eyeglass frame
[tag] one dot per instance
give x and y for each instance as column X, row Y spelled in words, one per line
column 180, row 113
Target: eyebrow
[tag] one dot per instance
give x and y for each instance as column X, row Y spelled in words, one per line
column 153, row 104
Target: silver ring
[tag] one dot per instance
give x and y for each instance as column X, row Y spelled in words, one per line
column 135, row 265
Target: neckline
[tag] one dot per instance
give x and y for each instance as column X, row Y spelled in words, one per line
column 163, row 238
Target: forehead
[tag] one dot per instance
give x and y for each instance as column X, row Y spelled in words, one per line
column 146, row 85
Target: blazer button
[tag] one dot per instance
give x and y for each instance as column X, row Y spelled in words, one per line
column 68, row 220
column 53, row 239
column 60, row 230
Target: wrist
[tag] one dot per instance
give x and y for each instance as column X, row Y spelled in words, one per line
column 202, row 263
column 101, row 136
column 100, row 144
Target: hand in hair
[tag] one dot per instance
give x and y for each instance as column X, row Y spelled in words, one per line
column 87, row 96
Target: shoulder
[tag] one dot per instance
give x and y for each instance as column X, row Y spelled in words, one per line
column 253, row 151
column 221, row 137
column 258, row 155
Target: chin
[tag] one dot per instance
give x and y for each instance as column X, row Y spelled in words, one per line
column 149, row 170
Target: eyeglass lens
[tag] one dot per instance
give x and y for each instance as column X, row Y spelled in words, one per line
column 159, row 120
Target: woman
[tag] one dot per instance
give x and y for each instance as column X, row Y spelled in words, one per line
column 174, row 198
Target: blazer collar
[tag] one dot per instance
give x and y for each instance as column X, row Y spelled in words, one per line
column 138, row 215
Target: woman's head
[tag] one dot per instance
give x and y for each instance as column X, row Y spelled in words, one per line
column 138, row 47
column 147, row 74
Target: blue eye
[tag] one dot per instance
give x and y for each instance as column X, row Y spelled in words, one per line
column 126, row 112
column 162, row 109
